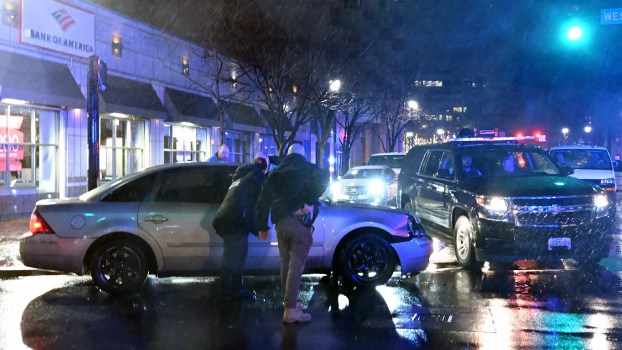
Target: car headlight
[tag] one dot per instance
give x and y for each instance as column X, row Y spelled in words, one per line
column 376, row 187
column 335, row 188
column 494, row 208
column 601, row 205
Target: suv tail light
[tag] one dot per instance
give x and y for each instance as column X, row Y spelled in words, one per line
column 38, row 225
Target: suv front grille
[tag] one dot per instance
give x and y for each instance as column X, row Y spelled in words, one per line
column 552, row 211
column 354, row 190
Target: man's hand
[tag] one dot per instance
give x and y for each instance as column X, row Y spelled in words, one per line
column 264, row 235
column 308, row 208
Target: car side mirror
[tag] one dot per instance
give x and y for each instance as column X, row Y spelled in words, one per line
column 567, row 170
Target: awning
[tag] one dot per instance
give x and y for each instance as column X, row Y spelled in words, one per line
column 242, row 114
column 38, row 81
column 186, row 104
column 131, row 97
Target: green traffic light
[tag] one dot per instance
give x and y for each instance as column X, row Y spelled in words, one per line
column 575, row 33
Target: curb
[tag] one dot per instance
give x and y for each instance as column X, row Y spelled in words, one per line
column 14, row 272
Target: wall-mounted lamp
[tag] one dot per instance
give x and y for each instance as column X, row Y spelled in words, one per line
column 185, row 66
column 9, row 13
column 117, row 46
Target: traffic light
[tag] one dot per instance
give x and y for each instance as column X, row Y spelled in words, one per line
column 575, row 32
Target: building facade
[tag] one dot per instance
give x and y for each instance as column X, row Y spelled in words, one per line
column 152, row 111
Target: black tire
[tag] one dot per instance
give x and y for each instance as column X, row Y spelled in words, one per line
column 119, row 267
column 463, row 246
column 367, row 260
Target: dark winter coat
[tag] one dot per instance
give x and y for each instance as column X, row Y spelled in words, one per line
column 292, row 184
column 238, row 212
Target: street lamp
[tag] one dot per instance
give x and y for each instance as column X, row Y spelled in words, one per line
column 334, row 85
column 441, row 133
column 412, row 104
column 565, row 132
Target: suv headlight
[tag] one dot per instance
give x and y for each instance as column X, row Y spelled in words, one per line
column 494, row 208
column 376, row 187
column 601, row 205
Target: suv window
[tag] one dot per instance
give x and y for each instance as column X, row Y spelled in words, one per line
column 390, row 160
column 432, row 163
column 583, row 158
column 499, row 162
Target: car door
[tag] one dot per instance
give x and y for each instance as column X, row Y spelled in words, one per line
column 434, row 197
column 179, row 215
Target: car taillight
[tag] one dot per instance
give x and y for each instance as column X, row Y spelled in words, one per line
column 38, row 225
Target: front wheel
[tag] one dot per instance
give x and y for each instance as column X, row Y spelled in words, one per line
column 367, row 260
column 465, row 252
column 119, row 267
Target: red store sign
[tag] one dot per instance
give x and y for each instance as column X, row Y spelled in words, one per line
column 11, row 139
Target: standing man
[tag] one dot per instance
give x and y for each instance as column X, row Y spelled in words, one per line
column 221, row 156
column 291, row 193
column 235, row 218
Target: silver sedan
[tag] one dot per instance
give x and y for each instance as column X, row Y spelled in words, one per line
column 159, row 221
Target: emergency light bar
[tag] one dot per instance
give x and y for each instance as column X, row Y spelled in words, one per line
column 492, row 139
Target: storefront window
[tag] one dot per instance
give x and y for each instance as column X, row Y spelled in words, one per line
column 122, row 142
column 185, row 143
column 268, row 145
column 239, row 146
column 28, row 147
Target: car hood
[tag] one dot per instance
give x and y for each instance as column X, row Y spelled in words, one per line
column 353, row 182
column 530, row 186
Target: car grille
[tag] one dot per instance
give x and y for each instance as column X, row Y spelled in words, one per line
column 354, row 190
column 552, row 211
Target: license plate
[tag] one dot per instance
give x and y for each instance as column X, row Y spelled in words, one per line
column 559, row 242
column 354, row 198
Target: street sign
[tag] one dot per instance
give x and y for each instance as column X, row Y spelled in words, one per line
column 611, row 16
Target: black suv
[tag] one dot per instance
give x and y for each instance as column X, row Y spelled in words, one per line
column 501, row 201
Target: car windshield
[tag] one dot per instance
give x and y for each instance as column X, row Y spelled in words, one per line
column 508, row 162
column 363, row 174
column 390, row 160
column 583, row 158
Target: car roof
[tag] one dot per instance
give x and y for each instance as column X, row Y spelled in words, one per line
column 362, row 167
column 472, row 143
column 388, row 154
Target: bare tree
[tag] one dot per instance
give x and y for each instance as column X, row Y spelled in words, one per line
column 394, row 116
column 287, row 70
column 353, row 120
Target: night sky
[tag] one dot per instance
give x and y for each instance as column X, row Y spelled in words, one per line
column 513, row 46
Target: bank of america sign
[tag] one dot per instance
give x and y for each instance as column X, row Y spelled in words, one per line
column 57, row 26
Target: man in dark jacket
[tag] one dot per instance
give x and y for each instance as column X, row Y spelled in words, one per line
column 235, row 218
column 291, row 192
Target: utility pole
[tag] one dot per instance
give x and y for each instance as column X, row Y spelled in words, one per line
column 96, row 81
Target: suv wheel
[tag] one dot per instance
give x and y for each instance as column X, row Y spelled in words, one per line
column 119, row 267
column 367, row 260
column 465, row 253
